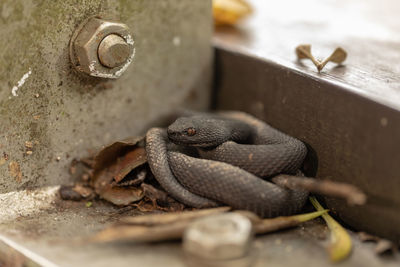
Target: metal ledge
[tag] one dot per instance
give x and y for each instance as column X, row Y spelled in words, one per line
column 348, row 115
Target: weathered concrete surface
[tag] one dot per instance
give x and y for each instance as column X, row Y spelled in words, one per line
column 44, row 101
column 57, row 234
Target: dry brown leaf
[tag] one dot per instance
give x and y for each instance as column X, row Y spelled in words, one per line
column 122, row 196
column 154, row 204
column 155, row 194
column 131, row 160
column 110, row 153
column 117, row 160
column 103, row 178
column 304, row 52
column 137, row 179
column 228, row 12
column 338, row 56
column 108, row 167
column 145, row 206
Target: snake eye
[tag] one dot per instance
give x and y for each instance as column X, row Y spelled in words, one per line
column 191, row 131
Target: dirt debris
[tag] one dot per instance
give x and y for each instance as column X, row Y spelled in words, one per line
column 122, row 196
column 29, row 148
column 171, row 226
column 76, row 192
column 383, row 246
column 2, row 161
column 119, row 174
column 15, row 171
column 28, row 144
column 304, row 52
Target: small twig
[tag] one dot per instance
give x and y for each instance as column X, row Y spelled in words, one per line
column 171, row 226
column 352, row 194
column 304, row 51
column 263, row 226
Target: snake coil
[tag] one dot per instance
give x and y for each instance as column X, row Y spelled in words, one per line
column 226, row 158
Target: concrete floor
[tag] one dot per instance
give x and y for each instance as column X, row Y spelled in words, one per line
column 50, row 232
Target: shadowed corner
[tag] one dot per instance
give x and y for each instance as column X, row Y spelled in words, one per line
column 310, row 165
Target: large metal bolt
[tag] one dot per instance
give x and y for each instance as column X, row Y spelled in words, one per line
column 113, row 51
column 219, row 237
column 102, row 48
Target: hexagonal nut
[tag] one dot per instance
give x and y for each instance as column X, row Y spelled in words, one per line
column 85, row 43
column 219, row 237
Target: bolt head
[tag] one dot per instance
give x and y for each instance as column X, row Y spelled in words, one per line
column 113, row 51
column 219, row 237
column 102, row 48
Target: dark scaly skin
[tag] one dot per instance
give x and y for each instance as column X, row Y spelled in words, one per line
column 156, row 149
column 235, row 187
column 271, row 152
column 263, row 151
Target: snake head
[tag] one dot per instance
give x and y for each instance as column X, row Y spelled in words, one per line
column 199, row 131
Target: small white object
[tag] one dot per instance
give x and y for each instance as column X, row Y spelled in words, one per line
column 21, row 82
column 219, row 237
column 176, row 41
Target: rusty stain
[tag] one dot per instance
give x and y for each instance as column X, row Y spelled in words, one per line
column 15, row 171
column 251, row 156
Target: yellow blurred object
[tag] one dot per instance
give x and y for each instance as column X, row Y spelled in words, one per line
column 341, row 245
column 228, row 12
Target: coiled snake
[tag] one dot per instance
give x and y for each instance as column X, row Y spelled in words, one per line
column 220, row 159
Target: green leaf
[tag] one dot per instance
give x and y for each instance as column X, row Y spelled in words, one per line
column 341, row 245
